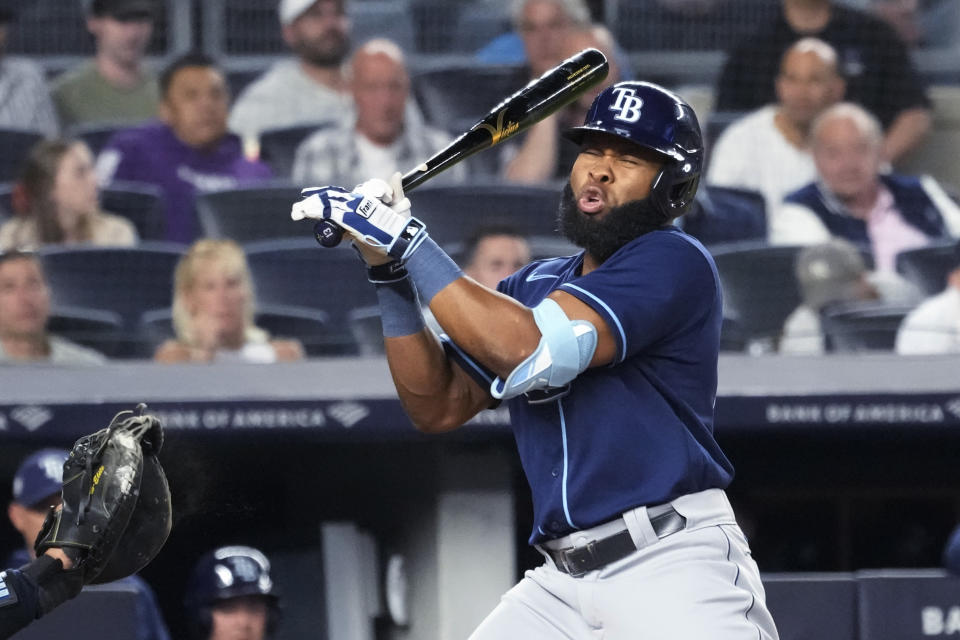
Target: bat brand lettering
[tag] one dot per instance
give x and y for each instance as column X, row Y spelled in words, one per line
column 627, row 103
column 499, row 132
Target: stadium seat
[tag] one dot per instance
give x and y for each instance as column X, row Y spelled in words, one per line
column 16, row 145
column 127, row 281
column 367, row 330
column 298, row 272
column 759, row 286
column 454, row 98
column 94, row 328
column 251, row 214
column 138, row 202
column 278, row 147
column 927, row 267
column 95, row 135
column 310, row 326
column 861, row 326
column 726, row 214
column 452, row 212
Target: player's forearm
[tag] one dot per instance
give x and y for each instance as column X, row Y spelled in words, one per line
column 494, row 329
column 906, row 133
column 432, row 393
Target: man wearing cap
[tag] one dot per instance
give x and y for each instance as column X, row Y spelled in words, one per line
column 934, row 327
column 829, row 273
column 309, row 88
column 24, row 100
column 36, row 487
column 113, row 87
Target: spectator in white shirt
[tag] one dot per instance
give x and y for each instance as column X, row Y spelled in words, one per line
column 934, row 326
column 767, row 149
column 309, row 88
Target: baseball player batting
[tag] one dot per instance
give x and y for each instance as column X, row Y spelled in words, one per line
column 608, row 361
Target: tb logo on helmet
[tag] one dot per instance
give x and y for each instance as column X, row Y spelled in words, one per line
column 627, row 103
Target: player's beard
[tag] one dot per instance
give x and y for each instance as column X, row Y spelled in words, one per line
column 601, row 237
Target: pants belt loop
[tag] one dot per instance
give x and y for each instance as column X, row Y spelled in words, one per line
column 638, row 524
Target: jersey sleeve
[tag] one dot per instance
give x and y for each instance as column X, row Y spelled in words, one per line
column 655, row 286
column 480, row 374
column 18, row 602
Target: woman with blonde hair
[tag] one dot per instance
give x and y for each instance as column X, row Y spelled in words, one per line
column 58, row 202
column 213, row 311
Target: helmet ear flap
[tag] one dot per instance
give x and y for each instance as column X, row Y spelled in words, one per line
column 672, row 190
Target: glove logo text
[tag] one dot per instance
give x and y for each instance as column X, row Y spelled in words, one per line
column 366, row 207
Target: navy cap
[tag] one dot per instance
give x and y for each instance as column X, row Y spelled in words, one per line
column 40, row 475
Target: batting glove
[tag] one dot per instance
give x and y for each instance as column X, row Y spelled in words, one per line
column 367, row 219
column 389, row 193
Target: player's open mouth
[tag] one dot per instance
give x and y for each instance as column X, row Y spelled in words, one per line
column 591, row 200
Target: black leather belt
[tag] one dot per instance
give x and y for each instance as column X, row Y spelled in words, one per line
column 579, row 560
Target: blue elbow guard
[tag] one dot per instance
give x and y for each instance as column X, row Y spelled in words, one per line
column 565, row 350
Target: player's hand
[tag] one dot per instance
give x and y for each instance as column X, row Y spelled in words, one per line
column 369, row 220
column 389, row 192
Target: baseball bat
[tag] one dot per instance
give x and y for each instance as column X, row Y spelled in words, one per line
column 541, row 97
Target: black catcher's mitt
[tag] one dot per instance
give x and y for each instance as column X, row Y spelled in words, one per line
column 116, row 503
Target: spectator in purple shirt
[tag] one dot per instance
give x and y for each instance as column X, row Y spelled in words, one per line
column 188, row 150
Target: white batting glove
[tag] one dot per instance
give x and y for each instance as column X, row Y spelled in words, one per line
column 369, row 220
column 390, row 193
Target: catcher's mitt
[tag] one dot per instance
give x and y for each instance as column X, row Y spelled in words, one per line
column 116, row 502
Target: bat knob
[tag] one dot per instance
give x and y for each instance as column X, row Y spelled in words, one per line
column 327, row 233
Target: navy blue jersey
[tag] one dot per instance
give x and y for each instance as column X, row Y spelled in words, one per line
column 639, row 431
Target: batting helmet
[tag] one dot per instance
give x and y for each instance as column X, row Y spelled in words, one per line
column 225, row 573
column 654, row 118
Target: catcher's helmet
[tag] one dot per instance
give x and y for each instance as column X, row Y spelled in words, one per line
column 225, row 573
column 652, row 117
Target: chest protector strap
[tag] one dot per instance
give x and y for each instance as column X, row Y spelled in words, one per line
column 565, row 350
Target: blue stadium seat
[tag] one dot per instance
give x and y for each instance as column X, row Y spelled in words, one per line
column 367, row 330
column 127, row 281
column 928, row 266
column 452, row 212
column 278, row 147
column 138, row 202
column 96, row 134
column 94, row 328
column 726, row 214
column 310, row 326
column 759, row 286
column 861, row 326
column 16, row 145
column 251, row 214
column 299, row 272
